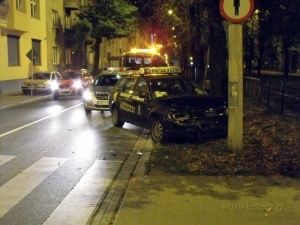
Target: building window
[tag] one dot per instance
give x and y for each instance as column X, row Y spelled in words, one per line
column 13, row 50
column 36, row 45
column 34, row 8
column 54, row 18
column 55, row 58
column 68, row 56
column 20, row 5
column 68, row 22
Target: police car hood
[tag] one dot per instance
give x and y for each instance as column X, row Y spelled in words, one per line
column 101, row 89
column 194, row 102
column 36, row 81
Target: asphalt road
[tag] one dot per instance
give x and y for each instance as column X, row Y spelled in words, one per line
column 57, row 160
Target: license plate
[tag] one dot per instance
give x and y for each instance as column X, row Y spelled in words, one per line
column 65, row 89
column 102, row 102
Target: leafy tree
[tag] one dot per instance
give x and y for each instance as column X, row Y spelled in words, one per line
column 80, row 31
column 109, row 19
column 285, row 16
column 198, row 27
column 275, row 32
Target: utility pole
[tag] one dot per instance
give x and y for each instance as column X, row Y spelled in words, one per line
column 236, row 12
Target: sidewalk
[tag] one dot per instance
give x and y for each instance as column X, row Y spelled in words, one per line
column 11, row 99
column 161, row 198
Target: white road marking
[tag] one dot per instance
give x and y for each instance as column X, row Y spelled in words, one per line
column 5, row 158
column 37, row 121
column 17, row 188
column 80, row 203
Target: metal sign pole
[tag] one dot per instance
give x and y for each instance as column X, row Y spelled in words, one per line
column 31, row 71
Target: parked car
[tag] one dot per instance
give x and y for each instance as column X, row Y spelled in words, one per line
column 72, row 82
column 96, row 96
column 161, row 100
column 40, row 82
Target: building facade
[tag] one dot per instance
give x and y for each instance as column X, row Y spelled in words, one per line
column 34, row 36
column 23, row 28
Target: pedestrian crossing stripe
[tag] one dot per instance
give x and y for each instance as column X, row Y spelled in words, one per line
column 12, row 192
column 80, row 203
column 78, row 206
column 5, row 158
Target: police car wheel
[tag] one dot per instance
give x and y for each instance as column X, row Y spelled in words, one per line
column 115, row 117
column 87, row 110
column 157, row 131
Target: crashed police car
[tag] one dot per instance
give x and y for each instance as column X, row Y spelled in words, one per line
column 161, row 100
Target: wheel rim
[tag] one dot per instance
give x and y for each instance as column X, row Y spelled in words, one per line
column 157, row 131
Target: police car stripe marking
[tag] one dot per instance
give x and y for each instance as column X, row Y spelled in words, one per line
column 80, row 203
column 17, row 188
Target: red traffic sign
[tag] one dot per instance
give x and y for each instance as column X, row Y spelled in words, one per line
column 236, row 11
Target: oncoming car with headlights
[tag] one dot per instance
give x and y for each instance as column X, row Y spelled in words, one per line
column 40, row 82
column 72, row 82
column 160, row 100
column 96, row 96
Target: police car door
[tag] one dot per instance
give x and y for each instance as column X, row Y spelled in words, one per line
column 141, row 99
column 126, row 103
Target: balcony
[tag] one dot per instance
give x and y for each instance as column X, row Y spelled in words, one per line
column 3, row 14
column 71, row 4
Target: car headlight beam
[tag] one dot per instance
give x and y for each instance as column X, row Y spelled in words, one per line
column 77, row 84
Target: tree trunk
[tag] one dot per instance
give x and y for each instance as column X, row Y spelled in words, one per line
column 96, row 57
column 218, row 51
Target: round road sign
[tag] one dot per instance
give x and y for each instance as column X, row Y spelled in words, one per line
column 236, row 11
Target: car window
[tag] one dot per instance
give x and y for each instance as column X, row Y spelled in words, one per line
column 194, row 88
column 174, row 87
column 141, row 88
column 42, row 76
column 167, row 87
column 128, row 86
column 125, row 85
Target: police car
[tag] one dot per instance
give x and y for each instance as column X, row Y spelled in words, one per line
column 161, row 100
column 96, row 96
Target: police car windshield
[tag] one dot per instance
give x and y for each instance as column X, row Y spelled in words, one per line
column 106, row 80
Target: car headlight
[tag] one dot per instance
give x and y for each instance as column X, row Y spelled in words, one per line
column 77, row 84
column 87, row 95
column 179, row 115
column 54, row 85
